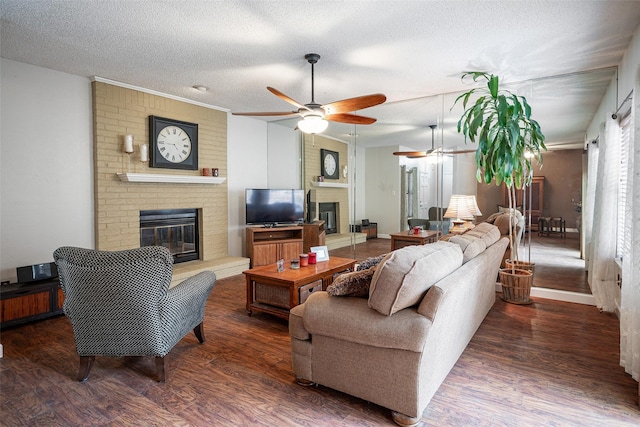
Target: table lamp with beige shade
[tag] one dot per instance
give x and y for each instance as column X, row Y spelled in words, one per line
column 462, row 211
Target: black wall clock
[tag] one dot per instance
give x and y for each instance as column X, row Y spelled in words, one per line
column 173, row 144
column 329, row 162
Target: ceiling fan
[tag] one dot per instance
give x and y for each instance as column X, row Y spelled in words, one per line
column 433, row 150
column 315, row 116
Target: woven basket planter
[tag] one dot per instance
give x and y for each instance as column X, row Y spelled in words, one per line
column 516, row 285
column 521, row 265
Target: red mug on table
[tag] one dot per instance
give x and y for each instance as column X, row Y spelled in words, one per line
column 304, row 260
column 312, row 257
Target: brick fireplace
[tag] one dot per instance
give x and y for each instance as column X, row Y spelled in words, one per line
column 330, row 191
column 119, row 111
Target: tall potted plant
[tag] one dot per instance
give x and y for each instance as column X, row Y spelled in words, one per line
column 508, row 139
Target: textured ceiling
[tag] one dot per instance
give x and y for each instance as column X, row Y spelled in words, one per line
column 560, row 54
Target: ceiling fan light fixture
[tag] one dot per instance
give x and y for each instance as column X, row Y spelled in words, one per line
column 313, row 124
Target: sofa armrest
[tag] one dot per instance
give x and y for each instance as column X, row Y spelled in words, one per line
column 351, row 319
column 296, row 323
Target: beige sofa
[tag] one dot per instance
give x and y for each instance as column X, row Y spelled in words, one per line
column 396, row 347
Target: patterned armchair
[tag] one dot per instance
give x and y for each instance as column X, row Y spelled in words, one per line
column 119, row 303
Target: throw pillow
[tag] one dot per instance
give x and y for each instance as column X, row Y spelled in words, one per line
column 492, row 218
column 502, row 222
column 403, row 277
column 371, row 262
column 354, row 284
column 517, row 212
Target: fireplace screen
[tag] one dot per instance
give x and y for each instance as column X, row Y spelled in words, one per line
column 175, row 229
column 328, row 213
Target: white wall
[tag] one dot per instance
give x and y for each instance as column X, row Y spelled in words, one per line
column 247, row 169
column 382, row 192
column 284, row 157
column 47, row 167
column 357, row 174
column 259, row 155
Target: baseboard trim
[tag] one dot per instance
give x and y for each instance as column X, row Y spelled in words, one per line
column 559, row 295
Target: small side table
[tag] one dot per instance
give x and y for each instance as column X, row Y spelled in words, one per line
column 407, row 238
column 543, row 226
column 552, row 225
column 558, row 225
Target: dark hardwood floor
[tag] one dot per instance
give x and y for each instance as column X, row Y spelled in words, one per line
column 558, row 262
column 546, row 364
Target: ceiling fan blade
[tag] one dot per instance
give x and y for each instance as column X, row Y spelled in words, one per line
column 268, row 113
column 350, row 118
column 459, row 151
column 412, row 154
column 354, row 104
column 286, row 98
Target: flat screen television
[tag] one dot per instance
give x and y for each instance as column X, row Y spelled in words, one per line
column 272, row 207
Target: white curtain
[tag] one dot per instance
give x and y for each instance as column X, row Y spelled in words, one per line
column 590, row 194
column 630, row 298
column 602, row 271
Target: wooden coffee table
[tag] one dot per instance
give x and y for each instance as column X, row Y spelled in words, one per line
column 406, row 238
column 276, row 292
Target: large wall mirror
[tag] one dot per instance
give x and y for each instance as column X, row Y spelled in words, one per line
column 391, row 189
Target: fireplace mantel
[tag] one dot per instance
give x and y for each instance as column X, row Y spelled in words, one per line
column 329, row 184
column 178, row 179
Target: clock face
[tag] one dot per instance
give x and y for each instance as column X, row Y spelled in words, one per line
column 174, row 144
column 329, row 164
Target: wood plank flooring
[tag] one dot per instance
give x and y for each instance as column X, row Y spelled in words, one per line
column 546, row 364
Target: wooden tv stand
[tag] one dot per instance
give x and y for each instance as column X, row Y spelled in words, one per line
column 266, row 245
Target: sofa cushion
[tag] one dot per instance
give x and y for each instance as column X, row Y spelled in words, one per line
column 471, row 246
column 351, row 320
column 404, row 276
column 489, row 233
column 354, row 284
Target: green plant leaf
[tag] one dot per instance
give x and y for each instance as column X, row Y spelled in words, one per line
column 493, row 85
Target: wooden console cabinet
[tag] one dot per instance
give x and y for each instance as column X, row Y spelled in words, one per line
column 371, row 229
column 314, row 235
column 26, row 302
column 267, row 245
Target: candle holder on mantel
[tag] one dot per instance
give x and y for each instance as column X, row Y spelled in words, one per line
column 128, row 148
column 144, row 153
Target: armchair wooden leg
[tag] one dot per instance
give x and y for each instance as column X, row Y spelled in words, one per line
column 86, row 362
column 199, row 331
column 160, row 368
